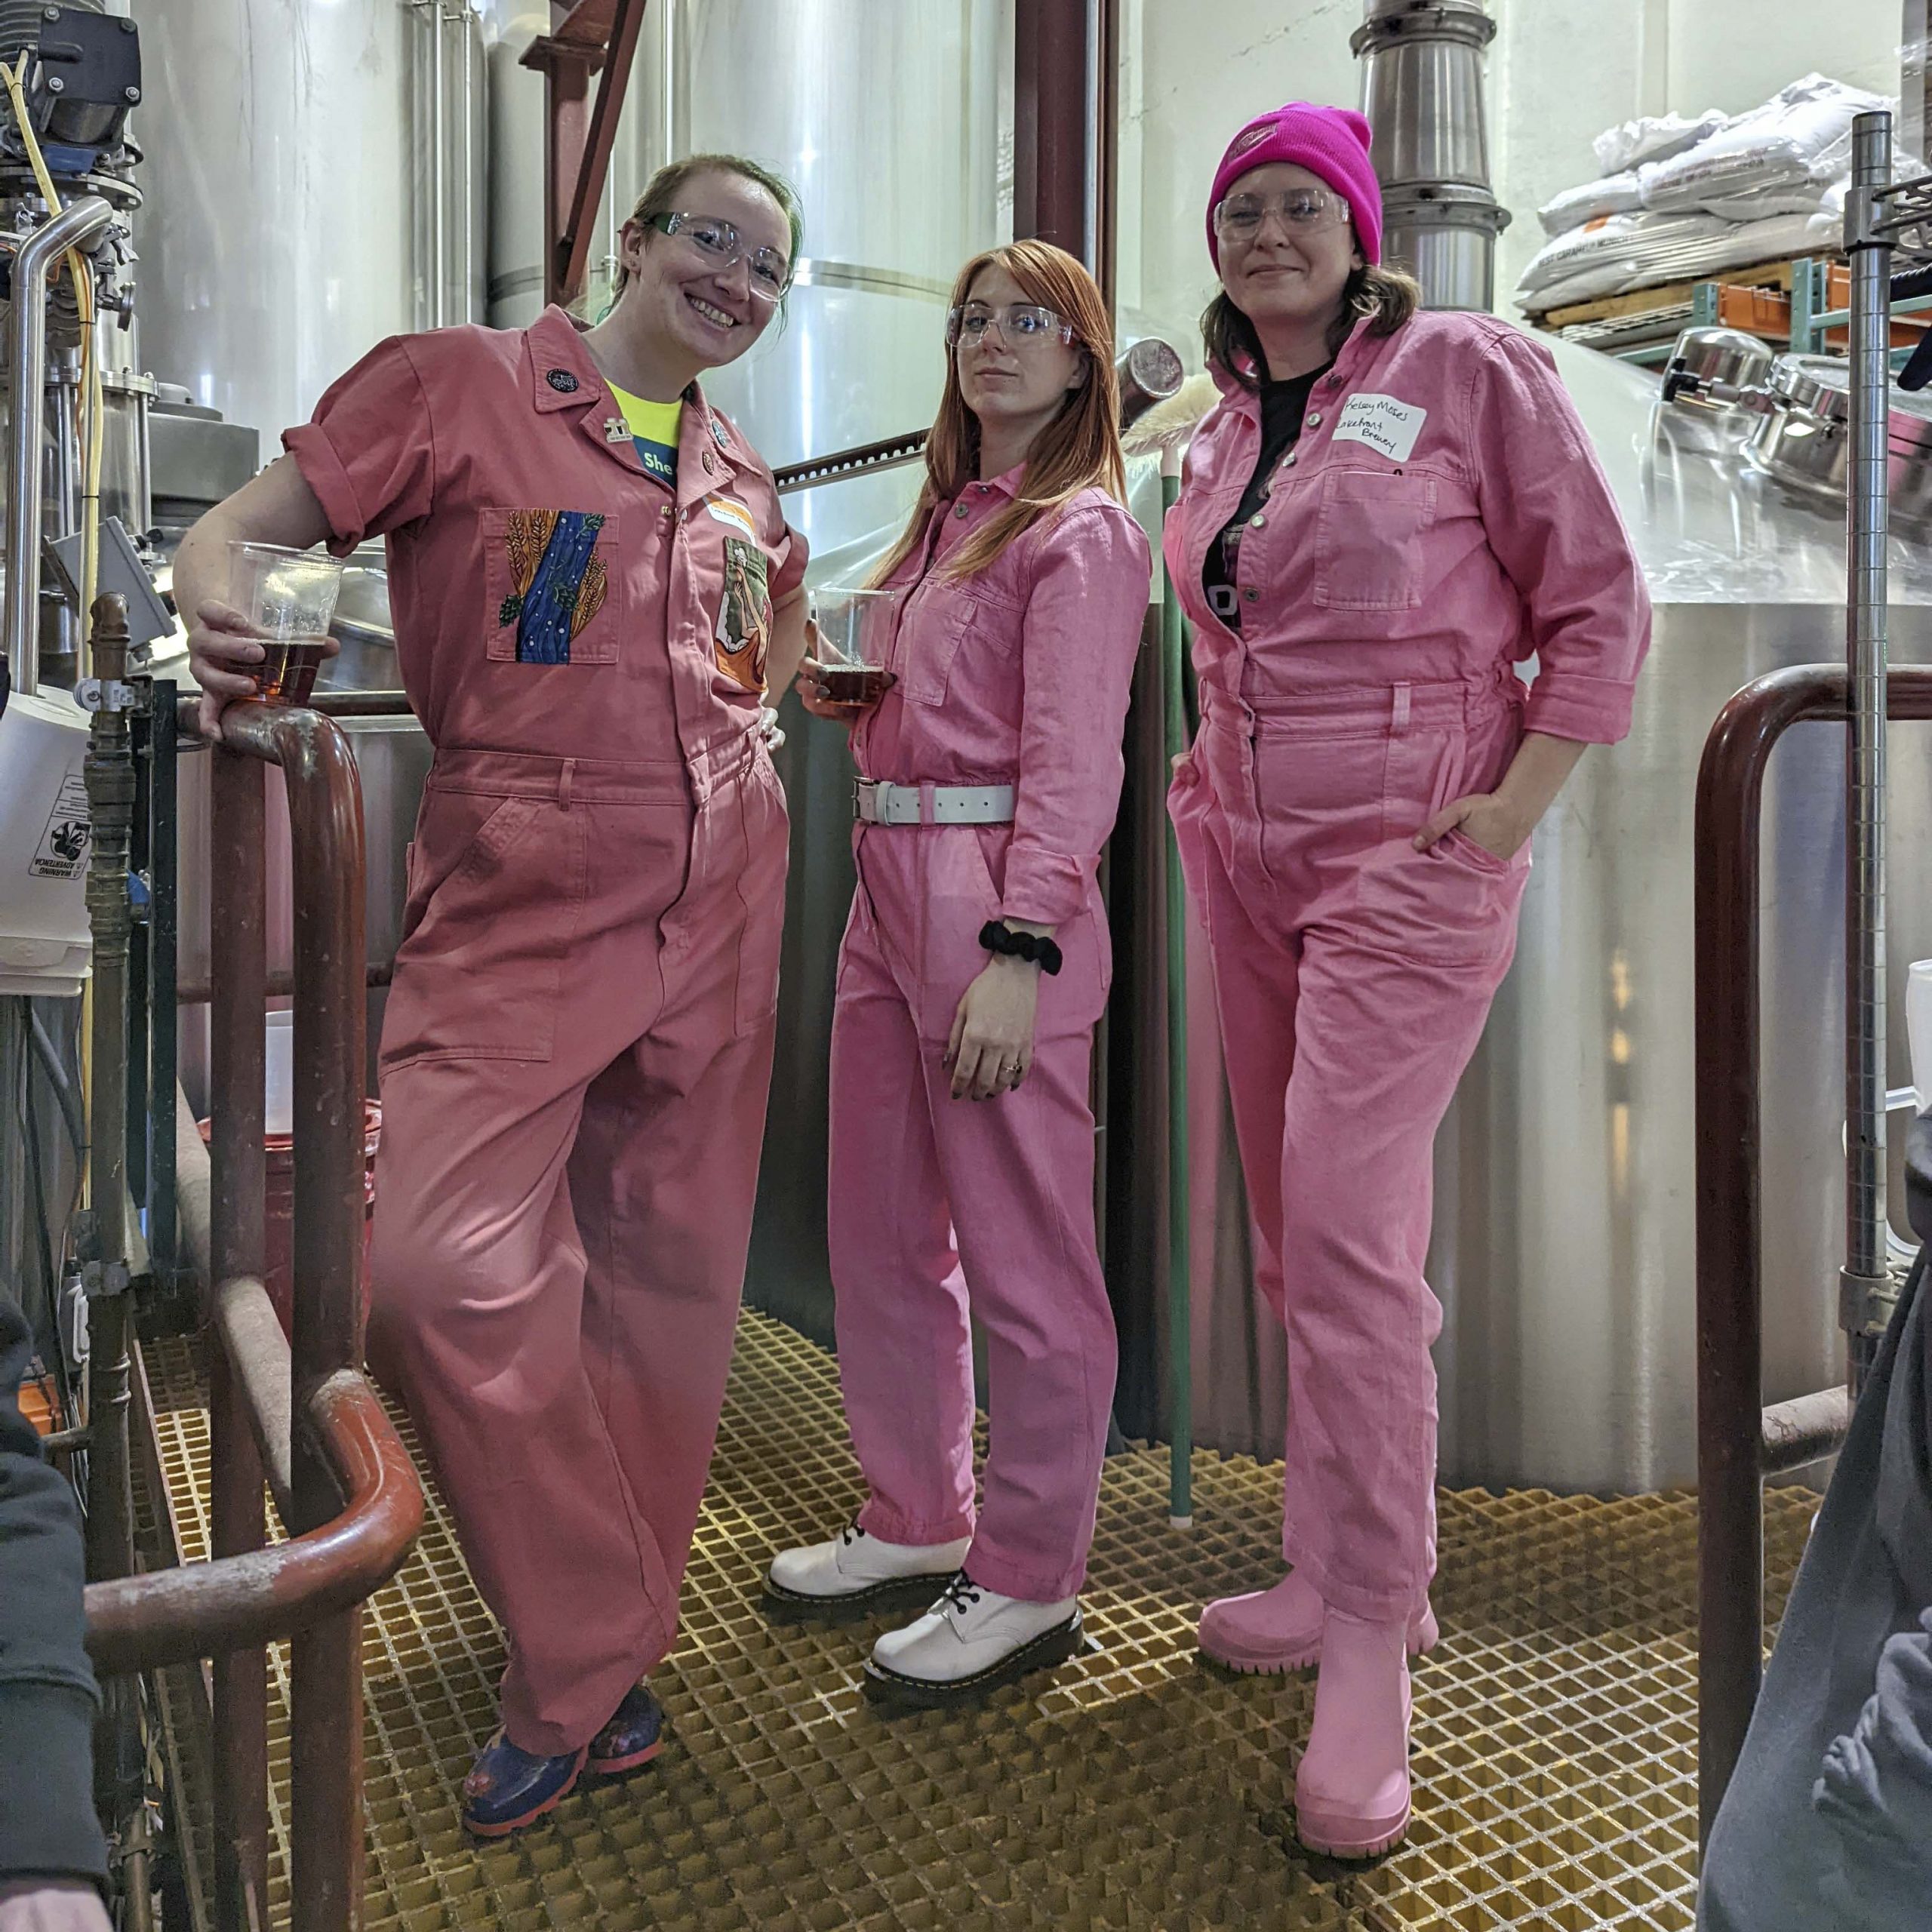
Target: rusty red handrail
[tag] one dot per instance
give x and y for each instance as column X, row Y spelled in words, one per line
column 350, row 1498
column 139, row 1623
column 1737, row 1438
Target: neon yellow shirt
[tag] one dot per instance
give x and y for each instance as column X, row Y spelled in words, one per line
column 654, row 428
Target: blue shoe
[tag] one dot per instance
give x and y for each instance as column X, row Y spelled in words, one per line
column 507, row 1789
column 633, row 1736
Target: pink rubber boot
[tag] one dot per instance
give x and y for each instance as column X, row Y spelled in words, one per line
column 1269, row 1632
column 1352, row 1787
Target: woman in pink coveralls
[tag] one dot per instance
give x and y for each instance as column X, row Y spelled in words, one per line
column 587, row 564
column 1385, row 514
column 973, row 968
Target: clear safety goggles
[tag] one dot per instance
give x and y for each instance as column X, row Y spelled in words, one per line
column 1022, row 326
column 724, row 247
column 1303, row 211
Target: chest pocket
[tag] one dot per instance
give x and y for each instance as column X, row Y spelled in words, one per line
column 549, row 583
column 943, row 626
column 1369, row 533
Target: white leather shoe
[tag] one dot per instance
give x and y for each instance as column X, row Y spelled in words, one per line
column 855, row 1575
column 971, row 1641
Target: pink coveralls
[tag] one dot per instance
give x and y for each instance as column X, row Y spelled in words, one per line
column 579, row 1037
column 1018, row 675
column 1441, row 519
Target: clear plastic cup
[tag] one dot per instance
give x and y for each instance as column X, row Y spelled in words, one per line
column 855, row 631
column 288, row 598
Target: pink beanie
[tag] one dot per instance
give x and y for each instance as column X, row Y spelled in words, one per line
column 1330, row 142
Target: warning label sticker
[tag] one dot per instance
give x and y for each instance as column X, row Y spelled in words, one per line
column 63, row 845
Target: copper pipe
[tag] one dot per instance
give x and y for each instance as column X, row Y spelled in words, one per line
column 168, row 1616
column 238, row 1165
column 1731, row 1423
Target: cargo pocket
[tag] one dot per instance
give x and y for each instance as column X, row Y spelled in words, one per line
column 495, row 889
column 761, row 893
column 549, row 588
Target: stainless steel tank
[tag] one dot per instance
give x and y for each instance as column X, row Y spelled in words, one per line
column 294, row 153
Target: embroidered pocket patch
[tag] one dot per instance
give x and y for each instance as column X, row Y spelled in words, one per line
column 557, row 580
column 743, row 636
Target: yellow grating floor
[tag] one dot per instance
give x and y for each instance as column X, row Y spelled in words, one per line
column 1137, row 1788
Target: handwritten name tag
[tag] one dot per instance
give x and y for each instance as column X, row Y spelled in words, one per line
column 1382, row 423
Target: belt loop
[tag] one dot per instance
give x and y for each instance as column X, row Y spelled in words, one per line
column 1398, row 722
column 928, row 809
column 565, row 779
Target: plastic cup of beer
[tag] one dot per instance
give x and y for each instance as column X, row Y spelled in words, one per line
column 288, row 598
column 855, row 630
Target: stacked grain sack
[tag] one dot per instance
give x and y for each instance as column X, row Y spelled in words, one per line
column 1678, row 200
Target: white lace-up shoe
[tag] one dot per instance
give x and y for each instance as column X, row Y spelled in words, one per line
column 855, row 1575
column 971, row 1641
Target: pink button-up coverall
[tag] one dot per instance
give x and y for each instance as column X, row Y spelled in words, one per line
column 578, row 1041
column 1441, row 519
column 1018, row 675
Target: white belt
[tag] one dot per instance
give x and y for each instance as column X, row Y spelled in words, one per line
column 882, row 804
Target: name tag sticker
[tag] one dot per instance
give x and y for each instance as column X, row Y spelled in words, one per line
column 1383, row 422
column 732, row 513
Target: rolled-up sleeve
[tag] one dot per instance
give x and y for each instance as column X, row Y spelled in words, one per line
column 1550, row 518
column 1082, row 629
column 369, row 451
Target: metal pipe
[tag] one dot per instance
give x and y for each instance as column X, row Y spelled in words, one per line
column 1805, row 1429
column 201, row 1609
column 1865, row 1277
column 238, row 950
column 438, row 188
column 280, row 985
column 79, row 222
column 467, row 186
column 248, row 1328
column 1180, row 1337
column 1730, row 1418
column 66, row 453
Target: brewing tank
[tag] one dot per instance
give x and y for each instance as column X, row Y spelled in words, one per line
column 315, row 177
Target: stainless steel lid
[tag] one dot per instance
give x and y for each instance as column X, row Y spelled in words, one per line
column 1821, row 386
column 1719, row 355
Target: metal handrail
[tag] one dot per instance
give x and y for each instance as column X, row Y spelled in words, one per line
column 1739, row 1440
column 169, row 1616
column 349, row 1495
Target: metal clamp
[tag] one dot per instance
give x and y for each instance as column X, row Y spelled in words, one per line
column 1866, row 1303
column 107, row 694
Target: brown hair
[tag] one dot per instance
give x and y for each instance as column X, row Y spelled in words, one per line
column 1388, row 297
column 665, row 189
column 1079, row 449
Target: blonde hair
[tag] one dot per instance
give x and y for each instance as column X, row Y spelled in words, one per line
column 1079, row 449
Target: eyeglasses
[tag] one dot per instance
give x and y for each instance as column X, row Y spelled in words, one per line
column 1022, row 326
column 724, row 247
column 1303, row 211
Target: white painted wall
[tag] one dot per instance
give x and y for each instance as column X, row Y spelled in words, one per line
column 1559, row 71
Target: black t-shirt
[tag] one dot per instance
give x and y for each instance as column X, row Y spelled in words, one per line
column 1283, row 405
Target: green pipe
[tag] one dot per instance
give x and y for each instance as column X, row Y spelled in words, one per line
column 1180, row 1481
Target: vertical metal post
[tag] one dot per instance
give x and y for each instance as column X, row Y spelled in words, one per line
column 1180, row 1349
column 139, row 992
column 466, row 185
column 163, row 930
column 331, row 1008
column 1865, row 1283
column 438, row 190
column 238, row 953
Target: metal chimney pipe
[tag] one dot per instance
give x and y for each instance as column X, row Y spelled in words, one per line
column 1423, row 93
